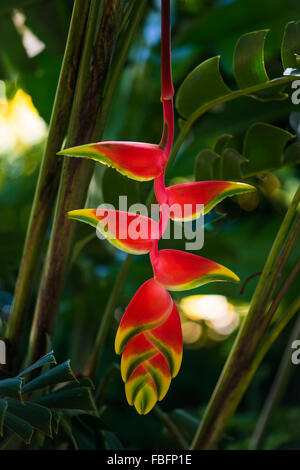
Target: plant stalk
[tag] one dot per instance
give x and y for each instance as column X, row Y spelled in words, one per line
column 48, row 179
column 276, row 392
column 94, row 359
column 168, row 423
column 76, row 174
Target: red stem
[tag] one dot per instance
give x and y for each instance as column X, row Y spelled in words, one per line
column 167, row 90
column 167, row 93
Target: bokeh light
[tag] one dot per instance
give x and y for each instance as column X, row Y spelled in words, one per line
column 210, row 316
column 20, row 125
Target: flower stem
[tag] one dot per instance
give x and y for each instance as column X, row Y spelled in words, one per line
column 76, row 174
column 168, row 423
column 167, row 89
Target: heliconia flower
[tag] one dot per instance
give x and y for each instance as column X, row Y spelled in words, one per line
column 176, row 270
column 149, row 336
column 188, row 197
column 150, row 341
column 132, row 233
column 136, row 160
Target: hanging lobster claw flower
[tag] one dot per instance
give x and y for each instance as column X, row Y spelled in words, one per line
column 176, row 270
column 133, row 233
column 192, row 199
column 150, row 339
column 138, row 161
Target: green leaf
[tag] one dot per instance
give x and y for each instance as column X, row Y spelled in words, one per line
column 13, row 55
column 83, row 382
column 38, row 416
column 187, row 424
column 73, row 399
column 222, row 143
column 249, row 65
column 3, row 408
column 292, row 154
column 205, row 165
column 65, row 423
column 263, row 147
column 204, row 88
column 112, row 442
column 263, row 151
column 290, row 48
column 11, row 387
column 55, row 421
column 231, row 164
column 58, row 374
column 248, row 60
column 47, row 359
column 23, row 429
column 202, row 85
column 87, row 430
column 7, row 6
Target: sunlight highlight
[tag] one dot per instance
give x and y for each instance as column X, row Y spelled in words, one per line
column 217, row 313
column 20, row 125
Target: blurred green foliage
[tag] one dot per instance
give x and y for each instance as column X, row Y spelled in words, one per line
column 240, row 240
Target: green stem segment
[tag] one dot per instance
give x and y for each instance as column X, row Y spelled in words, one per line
column 242, row 364
column 168, row 423
column 76, row 174
column 105, row 325
column 276, row 392
column 48, row 180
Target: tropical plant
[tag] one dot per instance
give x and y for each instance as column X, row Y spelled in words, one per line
column 149, row 336
column 25, row 410
column 235, row 137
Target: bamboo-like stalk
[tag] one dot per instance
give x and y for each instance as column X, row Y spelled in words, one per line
column 241, row 364
column 48, row 179
column 276, row 392
column 137, row 8
column 166, row 95
column 95, row 356
column 76, row 173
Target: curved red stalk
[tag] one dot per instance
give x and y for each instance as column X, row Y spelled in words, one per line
column 167, row 89
column 167, row 93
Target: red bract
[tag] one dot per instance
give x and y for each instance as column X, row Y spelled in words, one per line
column 138, row 161
column 149, row 335
column 177, row 270
column 187, row 198
column 129, row 232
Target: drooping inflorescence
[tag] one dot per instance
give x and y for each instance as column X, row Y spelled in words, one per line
column 149, row 336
